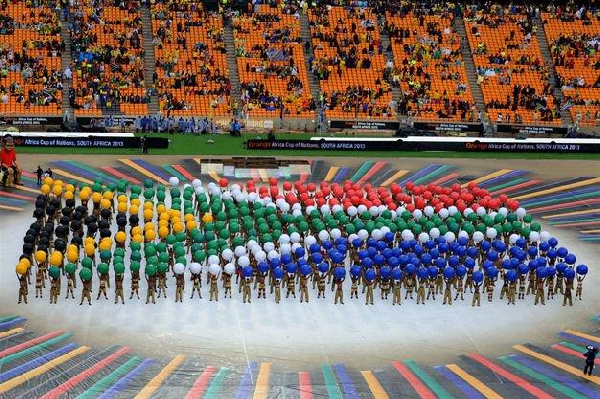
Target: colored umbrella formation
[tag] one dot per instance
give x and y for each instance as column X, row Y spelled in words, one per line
column 293, row 238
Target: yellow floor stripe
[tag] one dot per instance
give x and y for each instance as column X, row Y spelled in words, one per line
column 574, row 213
column 474, row 382
column 395, row 177
column 157, row 381
column 23, row 378
column 583, row 335
column 558, row 364
column 262, row 381
column 214, row 175
column 11, row 332
column 197, row 160
column 143, row 171
column 332, row 172
column 31, row 190
column 560, row 188
column 490, row 176
column 263, row 175
column 72, row 176
column 11, row 208
column 374, row 385
column 592, row 231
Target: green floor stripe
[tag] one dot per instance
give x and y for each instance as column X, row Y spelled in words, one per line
column 428, row 380
column 436, row 173
column 95, row 171
column 552, row 201
column 216, row 384
column 333, row 390
column 173, row 172
column 7, row 319
column 558, row 223
column 366, row 166
column 546, row 380
column 41, row 346
column 106, row 382
column 514, row 182
column 574, row 346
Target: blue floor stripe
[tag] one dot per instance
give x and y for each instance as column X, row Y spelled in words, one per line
column 157, row 171
column 468, row 390
column 572, row 337
column 247, row 382
column 9, row 325
column 35, row 363
column 418, row 174
column 126, row 380
column 508, row 176
column 341, row 175
column 346, row 382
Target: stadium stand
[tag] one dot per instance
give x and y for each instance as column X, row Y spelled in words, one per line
column 428, row 66
column 108, row 58
column 271, row 63
column 574, row 35
column 349, row 63
column 510, row 67
column 192, row 76
column 30, row 60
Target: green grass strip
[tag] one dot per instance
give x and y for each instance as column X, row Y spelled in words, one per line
column 514, row 182
column 428, row 380
column 333, row 390
column 216, row 384
column 546, row 380
column 41, row 346
column 365, row 167
column 173, row 172
column 432, row 175
column 106, row 382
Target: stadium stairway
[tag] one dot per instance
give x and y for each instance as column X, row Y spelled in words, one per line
column 545, row 51
column 66, row 60
column 149, row 60
column 385, row 42
column 234, row 76
column 459, row 27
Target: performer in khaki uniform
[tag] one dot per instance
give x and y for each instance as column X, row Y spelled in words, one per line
column 522, row 282
column 385, row 288
column 539, row 294
column 135, row 284
column 247, row 282
column 321, row 284
column 431, row 287
column 459, row 288
column 476, row 294
column 291, row 285
column 369, row 296
column 277, row 285
column 195, row 279
column 162, row 284
column 150, row 294
column 579, row 288
column 70, row 286
column 396, row 295
column 119, row 288
column 558, row 287
column 339, row 292
column 512, row 290
column 531, row 287
column 567, row 292
column 469, row 280
column 491, row 283
column 102, row 287
column 54, row 288
column 303, row 288
column 227, row 284
column 409, row 284
column 86, row 292
column 550, row 285
column 39, row 283
column 214, row 289
column 262, row 291
column 179, row 287
column 422, row 282
column 448, row 291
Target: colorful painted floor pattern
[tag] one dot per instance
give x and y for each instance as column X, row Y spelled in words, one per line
column 53, row 365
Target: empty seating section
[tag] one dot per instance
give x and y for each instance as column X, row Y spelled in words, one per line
column 429, row 68
column 349, row 63
column 30, row 60
column 191, row 77
column 510, row 67
column 108, row 53
column 271, row 64
column 574, row 43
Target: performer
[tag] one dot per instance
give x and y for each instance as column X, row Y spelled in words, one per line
column 504, row 289
column 567, row 292
column 396, row 296
column 151, row 280
column 539, row 294
column 321, row 284
column 369, row 296
column 409, row 284
column 119, row 288
column 135, row 283
column 339, row 292
column 491, row 283
column 22, row 287
column 448, row 291
column 476, row 294
column 86, row 291
column 590, row 359
column 39, row 281
column 469, row 281
column 102, row 287
column 439, row 283
column 262, row 288
column 11, row 172
column 558, row 287
column 521, row 286
column 214, row 289
column 70, row 285
column 179, row 287
column 162, row 284
column 431, row 281
column 247, row 282
column 511, row 293
column 459, row 288
column 54, row 290
column 531, row 286
column 291, row 285
column 277, row 285
column 227, row 284
column 195, row 279
column 303, row 288
column 385, row 288
column 550, row 285
column 579, row 288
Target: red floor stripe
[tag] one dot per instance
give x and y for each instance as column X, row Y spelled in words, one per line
column 73, row 381
column 28, row 174
column 306, row 389
column 516, row 187
column 120, row 175
column 201, row 383
column 16, row 196
column 376, row 168
column 417, row 385
column 572, row 352
column 444, row 179
column 533, row 390
column 183, row 172
column 565, row 205
column 30, row 343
